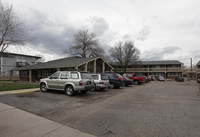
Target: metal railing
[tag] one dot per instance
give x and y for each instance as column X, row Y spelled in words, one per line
column 179, row 69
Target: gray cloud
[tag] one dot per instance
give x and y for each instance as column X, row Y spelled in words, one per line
column 49, row 36
column 158, row 54
column 127, row 37
column 143, row 34
column 53, row 36
column 99, row 25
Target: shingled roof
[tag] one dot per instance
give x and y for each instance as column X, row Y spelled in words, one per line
column 59, row 63
column 161, row 62
column 15, row 54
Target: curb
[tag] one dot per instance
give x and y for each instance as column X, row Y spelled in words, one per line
column 19, row 91
column 22, row 92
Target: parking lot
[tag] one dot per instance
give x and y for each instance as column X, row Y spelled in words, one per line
column 154, row 109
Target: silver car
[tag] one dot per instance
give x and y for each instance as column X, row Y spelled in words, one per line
column 101, row 81
column 68, row 81
column 161, row 78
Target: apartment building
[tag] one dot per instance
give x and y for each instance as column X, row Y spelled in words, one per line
column 9, row 61
column 166, row 68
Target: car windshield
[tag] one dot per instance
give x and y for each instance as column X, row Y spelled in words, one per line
column 114, row 75
column 104, row 77
column 86, row 76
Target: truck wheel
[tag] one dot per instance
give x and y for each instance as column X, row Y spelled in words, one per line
column 69, row 90
column 136, row 82
column 94, row 88
column 43, row 87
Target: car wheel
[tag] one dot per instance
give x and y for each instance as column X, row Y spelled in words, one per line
column 123, row 84
column 84, row 91
column 112, row 86
column 43, row 87
column 136, row 82
column 69, row 90
column 94, row 88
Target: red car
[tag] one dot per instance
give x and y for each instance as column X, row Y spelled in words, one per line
column 136, row 79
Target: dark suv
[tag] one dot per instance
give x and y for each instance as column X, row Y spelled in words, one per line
column 179, row 79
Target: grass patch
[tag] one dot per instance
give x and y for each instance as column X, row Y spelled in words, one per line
column 17, row 86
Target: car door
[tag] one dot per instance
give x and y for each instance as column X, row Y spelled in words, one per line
column 75, row 78
column 53, row 80
column 64, row 78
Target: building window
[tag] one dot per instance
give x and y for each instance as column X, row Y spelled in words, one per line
column 39, row 73
column 23, row 73
column 44, row 73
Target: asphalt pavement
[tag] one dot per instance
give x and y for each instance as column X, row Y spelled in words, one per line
column 18, row 123
column 155, row 109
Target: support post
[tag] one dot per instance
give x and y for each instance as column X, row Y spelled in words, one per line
column 103, row 67
column 30, row 76
column 95, row 66
column 85, row 69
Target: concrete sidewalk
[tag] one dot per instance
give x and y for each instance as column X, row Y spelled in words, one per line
column 20, row 90
column 18, row 123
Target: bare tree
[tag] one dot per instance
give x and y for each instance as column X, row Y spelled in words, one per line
column 86, row 45
column 124, row 53
column 11, row 31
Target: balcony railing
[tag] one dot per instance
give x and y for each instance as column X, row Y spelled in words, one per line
column 151, row 69
column 21, row 64
column 198, row 70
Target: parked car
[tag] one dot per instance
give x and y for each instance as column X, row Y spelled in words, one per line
column 115, row 81
column 137, row 80
column 161, row 78
column 146, row 79
column 101, row 81
column 68, row 81
column 128, row 81
column 124, row 80
column 179, row 78
column 152, row 77
column 198, row 78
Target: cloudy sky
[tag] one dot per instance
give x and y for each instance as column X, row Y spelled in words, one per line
column 160, row 29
